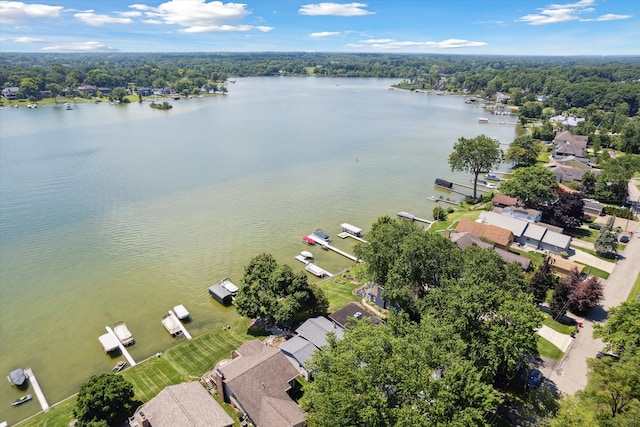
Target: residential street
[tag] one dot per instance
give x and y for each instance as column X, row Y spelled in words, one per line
column 570, row 374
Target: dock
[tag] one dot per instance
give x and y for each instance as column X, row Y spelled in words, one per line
column 344, row 235
column 36, row 389
column 412, row 217
column 328, row 246
column 121, row 346
column 315, row 270
column 179, row 323
column 444, row 199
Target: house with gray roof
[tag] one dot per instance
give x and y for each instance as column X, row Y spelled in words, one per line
column 465, row 239
column 184, row 405
column 531, row 215
column 593, row 207
column 515, row 225
column 299, row 351
column 257, row 381
column 566, row 144
column 566, row 173
column 315, row 330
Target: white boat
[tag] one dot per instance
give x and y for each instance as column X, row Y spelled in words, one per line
column 306, row 254
column 229, row 286
column 483, row 120
column 68, row 106
column 123, row 334
column 315, row 270
column 119, row 366
column 171, row 324
column 21, row 400
column 181, row 312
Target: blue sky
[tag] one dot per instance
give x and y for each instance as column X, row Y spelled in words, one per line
column 503, row 27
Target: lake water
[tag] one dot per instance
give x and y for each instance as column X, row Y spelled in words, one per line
column 112, row 213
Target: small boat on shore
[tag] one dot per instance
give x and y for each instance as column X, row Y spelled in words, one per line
column 119, row 366
column 22, row 400
column 123, row 334
column 17, row 377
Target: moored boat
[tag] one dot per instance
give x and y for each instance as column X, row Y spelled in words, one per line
column 306, row 254
column 322, row 235
column 17, row 377
column 123, row 334
column 170, row 323
column 181, row 312
column 119, row 366
column 308, row 240
column 22, row 400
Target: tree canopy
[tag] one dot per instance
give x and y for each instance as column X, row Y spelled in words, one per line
column 534, row 185
column 566, row 212
column 105, row 399
column 522, row 151
column 272, row 290
column 475, row 155
column 607, row 243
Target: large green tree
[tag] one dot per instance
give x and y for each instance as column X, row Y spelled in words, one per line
column 621, row 332
column 606, row 243
column 104, row 400
column 401, row 374
column 475, row 155
column 272, row 290
column 534, row 185
column 522, row 151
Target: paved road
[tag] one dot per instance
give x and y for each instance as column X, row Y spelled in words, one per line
column 570, row 374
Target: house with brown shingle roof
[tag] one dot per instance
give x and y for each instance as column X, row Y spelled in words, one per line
column 501, row 237
column 502, row 201
column 562, row 266
column 185, row 405
column 257, row 381
column 566, row 144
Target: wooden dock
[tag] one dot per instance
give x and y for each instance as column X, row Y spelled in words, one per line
column 443, row 199
column 121, row 346
column 412, row 217
column 328, row 246
column 179, row 323
column 36, row 389
column 344, row 235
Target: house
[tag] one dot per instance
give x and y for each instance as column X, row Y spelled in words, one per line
column 502, row 201
column 106, row 90
column 86, row 90
column 566, row 144
column 536, row 235
column 531, row 215
column 561, row 266
column 352, row 310
column 566, row 173
column 10, row 93
column 311, row 335
column 501, row 237
column 593, row 207
column 144, row 91
column 502, row 97
column 466, row 239
column 257, row 381
column 373, row 292
column 566, row 121
column 185, row 405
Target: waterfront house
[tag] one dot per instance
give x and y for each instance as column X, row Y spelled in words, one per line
column 257, row 381
column 184, row 405
column 566, row 121
column 11, row 92
column 86, row 90
column 501, row 237
column 465, row 239
column 531, row 215
column 502, row 200
column 566, row 144
column 566, row 173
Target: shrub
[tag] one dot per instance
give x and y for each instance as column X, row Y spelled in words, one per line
column 439, row 214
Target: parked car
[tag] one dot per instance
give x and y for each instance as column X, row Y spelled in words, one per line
column 535, row 378
column 624, row 238
column 595, row 226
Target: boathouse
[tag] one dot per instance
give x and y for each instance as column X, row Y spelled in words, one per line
column 444, row 183
column 351, row 229
column 220, row 294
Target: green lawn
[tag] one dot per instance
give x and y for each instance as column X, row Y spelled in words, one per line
column 557, row 326
column 452, row 220
column 592, row 271
column 586, row 234
column 546, row 349
column 635, row 291
column 339, row 291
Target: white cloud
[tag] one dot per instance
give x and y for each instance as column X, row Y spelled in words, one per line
column 224, row 29
column 324, row 34
column 80, row 47
column 199, row 16
column 15, row 11
column 556, row 13
column 28, row 40
column 335, row 9
column 390, row 44
column 96, row 20
column 130, row 14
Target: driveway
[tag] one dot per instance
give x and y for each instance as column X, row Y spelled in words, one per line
column 570, row 373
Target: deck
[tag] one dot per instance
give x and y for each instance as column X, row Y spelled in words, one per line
column 123, row 349
column 328, row 246
column 412, row 217
column 36, row 389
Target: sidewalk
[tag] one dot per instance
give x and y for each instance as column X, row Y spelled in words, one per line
column 562, row 341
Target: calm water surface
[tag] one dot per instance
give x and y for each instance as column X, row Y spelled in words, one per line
column 112, row 213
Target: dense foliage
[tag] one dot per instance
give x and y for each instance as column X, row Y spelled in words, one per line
column 566, row 212
column 104, row 400
column 272, row 290
column 607, row 242
column 533, row 185
column 522, row 151
column 475, row 155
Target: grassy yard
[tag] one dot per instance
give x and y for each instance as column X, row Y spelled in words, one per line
column 592, row 271
column 635, row 291
column 452, row 220
column 557, row 326
column 339, row 291
column 546, row 349
column 586, row 234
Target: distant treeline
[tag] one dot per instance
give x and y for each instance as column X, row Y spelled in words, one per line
column 571, row 81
